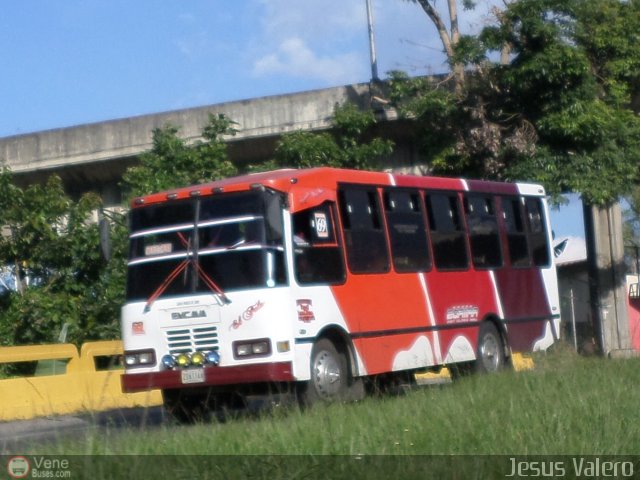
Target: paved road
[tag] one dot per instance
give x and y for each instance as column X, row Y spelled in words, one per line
column 34, row 435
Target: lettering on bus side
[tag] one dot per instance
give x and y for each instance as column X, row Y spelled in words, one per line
column 462, row 314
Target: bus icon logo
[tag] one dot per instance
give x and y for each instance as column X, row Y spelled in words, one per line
column 305, row 314
column 18, row 467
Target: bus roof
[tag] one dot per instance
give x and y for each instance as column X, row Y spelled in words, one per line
column 327, row 179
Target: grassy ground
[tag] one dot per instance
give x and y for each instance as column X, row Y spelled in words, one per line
column 567, row 406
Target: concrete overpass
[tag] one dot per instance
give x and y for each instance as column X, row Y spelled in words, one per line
column 94, row 156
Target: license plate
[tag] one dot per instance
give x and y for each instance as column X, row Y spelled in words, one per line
column 195, row 375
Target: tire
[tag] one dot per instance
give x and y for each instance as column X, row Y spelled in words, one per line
column 490, row 356
column 330, row 376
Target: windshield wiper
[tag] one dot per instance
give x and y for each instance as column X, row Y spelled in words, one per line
column 212, row 285
column 192, row 260
column 175, row 273
column 167, row 281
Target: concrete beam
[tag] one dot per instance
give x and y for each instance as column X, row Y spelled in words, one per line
column 119, row 140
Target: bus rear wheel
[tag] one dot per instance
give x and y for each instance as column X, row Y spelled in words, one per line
column 329, row 375
column 490, row 353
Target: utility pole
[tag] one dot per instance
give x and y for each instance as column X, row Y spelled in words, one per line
column 605, row 255
column 372, row 44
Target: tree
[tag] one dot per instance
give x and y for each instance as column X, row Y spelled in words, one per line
column 51, row 248
column 172, row 162
column 565, row 81
column 349, row 144
column 452, row 40
column 560, row 111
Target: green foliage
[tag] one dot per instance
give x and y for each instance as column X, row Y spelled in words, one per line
column 470, row 50
column 305, row 150
column 51, row 247
column 608, row 32
column 563, row 111
column 436, row 115
column 51, row 243
column 588, row 139
column 172, row 162
column 350, row 144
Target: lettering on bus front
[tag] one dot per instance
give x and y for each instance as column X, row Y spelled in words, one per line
column 189, row 314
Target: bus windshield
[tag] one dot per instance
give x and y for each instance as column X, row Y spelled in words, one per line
column 233, row 241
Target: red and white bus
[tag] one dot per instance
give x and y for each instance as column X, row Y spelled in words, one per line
column 324, row 277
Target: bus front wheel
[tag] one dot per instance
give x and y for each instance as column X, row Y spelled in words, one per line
column 490, row 355
column 329, row 375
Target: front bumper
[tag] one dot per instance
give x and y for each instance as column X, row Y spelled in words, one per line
column 214, row 376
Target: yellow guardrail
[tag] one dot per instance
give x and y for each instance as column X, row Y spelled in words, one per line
column 521, row 362
column 66, row 381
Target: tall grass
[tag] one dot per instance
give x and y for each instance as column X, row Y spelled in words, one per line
column 567, row 405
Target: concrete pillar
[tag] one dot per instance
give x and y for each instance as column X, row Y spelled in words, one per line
column 605, row 254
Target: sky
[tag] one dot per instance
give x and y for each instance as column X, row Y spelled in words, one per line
column 70, row 62
column 568, row 219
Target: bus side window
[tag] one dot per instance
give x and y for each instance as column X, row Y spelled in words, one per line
column 537, row 232
column 364, row 235
column 447, row 232
column 407, row 231
column 483, row 231
column 317, row 255
column 516, row 232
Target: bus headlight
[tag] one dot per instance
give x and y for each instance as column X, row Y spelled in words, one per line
column 261, row 348
column 140, row 358
column 252, row 348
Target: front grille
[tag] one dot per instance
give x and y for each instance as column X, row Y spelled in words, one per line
column 191, row 339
